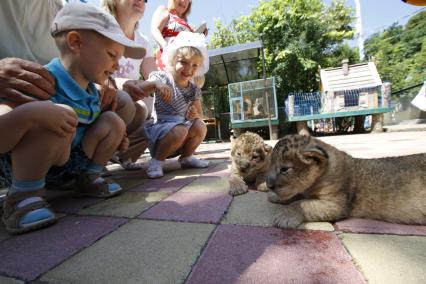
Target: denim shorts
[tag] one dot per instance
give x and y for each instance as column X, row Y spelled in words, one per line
column 56, row 176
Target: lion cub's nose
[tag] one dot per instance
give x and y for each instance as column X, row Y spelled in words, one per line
column 245, row 165
column 270, row 181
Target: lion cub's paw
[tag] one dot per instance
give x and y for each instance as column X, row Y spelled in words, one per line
column 262, row 187
column 288, row 218
column 237, row 187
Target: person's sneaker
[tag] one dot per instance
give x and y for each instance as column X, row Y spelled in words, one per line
column 192, row 162
column 155, row 169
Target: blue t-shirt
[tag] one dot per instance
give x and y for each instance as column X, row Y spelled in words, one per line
column 85, row 103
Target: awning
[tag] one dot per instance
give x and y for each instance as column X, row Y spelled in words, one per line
column 233, row 64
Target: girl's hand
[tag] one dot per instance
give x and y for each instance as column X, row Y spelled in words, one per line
column 164, row 91
column 192, row 113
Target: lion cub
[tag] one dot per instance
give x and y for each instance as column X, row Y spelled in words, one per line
column 250, row 162
column 320, row 183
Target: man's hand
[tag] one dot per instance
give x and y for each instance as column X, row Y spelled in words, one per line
column 20, row 77
column 137, row 89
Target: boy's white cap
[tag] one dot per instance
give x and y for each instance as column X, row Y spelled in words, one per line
column 89, row 17
column 183, row 39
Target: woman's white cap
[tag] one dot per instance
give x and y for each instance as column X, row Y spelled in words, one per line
column 183, row 39
column 82, row 16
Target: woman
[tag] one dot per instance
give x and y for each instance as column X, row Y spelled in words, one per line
column 168, row 22
column 128, row 13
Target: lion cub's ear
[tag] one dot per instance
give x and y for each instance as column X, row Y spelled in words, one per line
column 267, row 148
column 315, row 154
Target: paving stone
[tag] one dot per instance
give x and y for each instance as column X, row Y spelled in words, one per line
column 29, row 255
column 139, row 252
column 3, row 233
column 72, row 205
column 220, row 170
column 166, row 184
column 5, row 280
column 128, row 204
column 190, row 207
column 388, row 259
column 251, row 208
column 208, row 184
column 247, row 254
column 358, row 225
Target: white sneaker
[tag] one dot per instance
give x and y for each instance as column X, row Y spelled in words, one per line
column 130, row 165
column 192, row 162
column 155, row 168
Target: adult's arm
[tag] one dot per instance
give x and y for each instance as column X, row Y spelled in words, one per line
column 158, row 22
column 20, row 77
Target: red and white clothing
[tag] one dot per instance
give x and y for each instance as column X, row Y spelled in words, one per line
column 173, row 27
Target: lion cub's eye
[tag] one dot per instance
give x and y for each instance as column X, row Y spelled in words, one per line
column 255, row 157
column 284, row 169
column 239, row 154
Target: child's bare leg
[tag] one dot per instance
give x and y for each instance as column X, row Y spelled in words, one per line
column 99, row 143
column 165, row 147
column 171, row 142
column 103, row 138
column 21, row 119
column 196, row 135
column 37, row 152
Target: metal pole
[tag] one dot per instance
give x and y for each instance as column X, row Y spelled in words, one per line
column 265, row 90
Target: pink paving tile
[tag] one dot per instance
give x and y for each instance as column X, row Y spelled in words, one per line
column 164, row 185
column 28, row 256
column 357, row 225
column 247, row 254
column 72, row 205
column 204, row 207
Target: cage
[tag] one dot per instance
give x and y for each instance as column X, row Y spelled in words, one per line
column 247, row 101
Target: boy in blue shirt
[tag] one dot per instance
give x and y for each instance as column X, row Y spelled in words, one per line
column 90, row 44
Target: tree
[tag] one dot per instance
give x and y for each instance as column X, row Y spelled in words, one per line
column 400, row 52
column 298, row 36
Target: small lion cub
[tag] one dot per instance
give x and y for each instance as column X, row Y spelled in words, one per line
column 318, row 182
column 251, row 158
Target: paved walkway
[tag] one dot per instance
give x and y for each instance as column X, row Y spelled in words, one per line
column 185, row 228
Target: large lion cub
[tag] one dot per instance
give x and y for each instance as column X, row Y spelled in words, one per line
column 320, row 183
column 251, row 158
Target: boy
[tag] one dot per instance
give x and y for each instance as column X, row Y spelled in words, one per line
column 90, row 44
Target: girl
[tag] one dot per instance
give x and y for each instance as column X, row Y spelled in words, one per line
column 179, row 127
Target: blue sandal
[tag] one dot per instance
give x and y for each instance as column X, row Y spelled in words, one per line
column 26, row 211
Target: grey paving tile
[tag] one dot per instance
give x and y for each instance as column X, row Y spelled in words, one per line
column 27, row 256
column 247, row 254
column 128, row 204
column 208, row 184
column 72, row 205
column 190, row 207
column 3, row 233
column 167, row 184
column 388, row 259
column 251, row 208
column 357, row 225
column 139, row 252
column 6, row 280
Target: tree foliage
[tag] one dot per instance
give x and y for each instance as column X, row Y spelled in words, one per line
column 298, row 37
column 400, row 52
